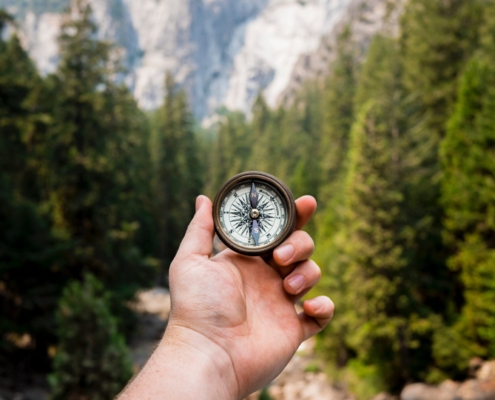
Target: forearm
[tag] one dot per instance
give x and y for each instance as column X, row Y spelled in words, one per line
column 185, row 365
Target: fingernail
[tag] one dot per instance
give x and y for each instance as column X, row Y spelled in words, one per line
column 296, row 282
column 285, row 252
column 199, row 201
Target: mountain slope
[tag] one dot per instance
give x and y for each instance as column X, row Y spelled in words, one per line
column 223, row 52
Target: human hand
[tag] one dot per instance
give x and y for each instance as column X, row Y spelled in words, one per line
column 233, row 325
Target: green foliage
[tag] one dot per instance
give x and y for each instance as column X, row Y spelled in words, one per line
column 96, row 149
column 314, row 368
column 367, row 262
column 437, row 39
column 338, row 116
column 29, row 288
column 177, row 172
column 390, row 291
column 92, row 360
column 264, row 395
column 468, row 154
column 364, row 380
column 374, row 271
column 229, row 152
column 75, row 191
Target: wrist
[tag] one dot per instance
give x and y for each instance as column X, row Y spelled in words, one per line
column 183, row 365
column 212, row 364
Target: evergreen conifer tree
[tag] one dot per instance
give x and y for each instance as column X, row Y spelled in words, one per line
column 304, row 137
column 230, row 150
column 92, row 361
column 259, row 135
column 338, row 115
column 437, row 39
column 376, row 299
column 90, row 161
column 468, row 193
column 29, row 288
column 177, row 172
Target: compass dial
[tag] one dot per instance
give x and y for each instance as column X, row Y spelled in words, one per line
column 236, row 219
column 254, row 212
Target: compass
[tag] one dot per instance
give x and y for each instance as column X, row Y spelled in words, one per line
column 254, row 212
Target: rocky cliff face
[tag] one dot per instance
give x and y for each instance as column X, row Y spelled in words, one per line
column 223, row 52
column 366, row 18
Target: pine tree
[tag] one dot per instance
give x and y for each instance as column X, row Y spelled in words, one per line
column 438, row 37
column 260, row 136
column 265, row 139
column 468, row 193
column 386, row 319
column 305, row 142
column 230, row 151
column 91, row 156
column 376, row 298
column 373, row 276
column 177, row 172
column 261, row 118
column 92, row 360
column 338, row 116
column 29, row 288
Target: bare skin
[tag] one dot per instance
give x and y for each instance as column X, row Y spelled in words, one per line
column 233, row 326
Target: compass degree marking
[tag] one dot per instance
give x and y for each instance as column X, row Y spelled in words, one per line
column 235, row 211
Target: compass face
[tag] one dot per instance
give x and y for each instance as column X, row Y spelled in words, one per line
column 236, row 214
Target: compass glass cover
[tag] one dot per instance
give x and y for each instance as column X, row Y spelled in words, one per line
column 235, row 214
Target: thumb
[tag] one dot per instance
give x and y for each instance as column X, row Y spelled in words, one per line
column 199, row 236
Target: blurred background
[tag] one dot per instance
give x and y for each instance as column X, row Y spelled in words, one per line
column 116, row 114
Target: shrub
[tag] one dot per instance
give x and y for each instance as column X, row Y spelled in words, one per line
column 92, row 360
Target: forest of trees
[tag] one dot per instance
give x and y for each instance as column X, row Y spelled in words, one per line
column 397, row 145
column 85, row 178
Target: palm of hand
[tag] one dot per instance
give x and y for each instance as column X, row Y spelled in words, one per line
column 239, row 303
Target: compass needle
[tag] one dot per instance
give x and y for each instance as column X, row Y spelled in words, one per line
column 255, row 232
column 253, row 196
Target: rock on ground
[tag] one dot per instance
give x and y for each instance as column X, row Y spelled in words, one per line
column 475, row 389
column 486, row 371
column 482, row 388
column 384, row 396
column 421, row 391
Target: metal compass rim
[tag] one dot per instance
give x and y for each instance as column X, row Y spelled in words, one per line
column 281, row 188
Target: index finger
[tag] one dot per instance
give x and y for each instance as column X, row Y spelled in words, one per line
column 305, row 207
